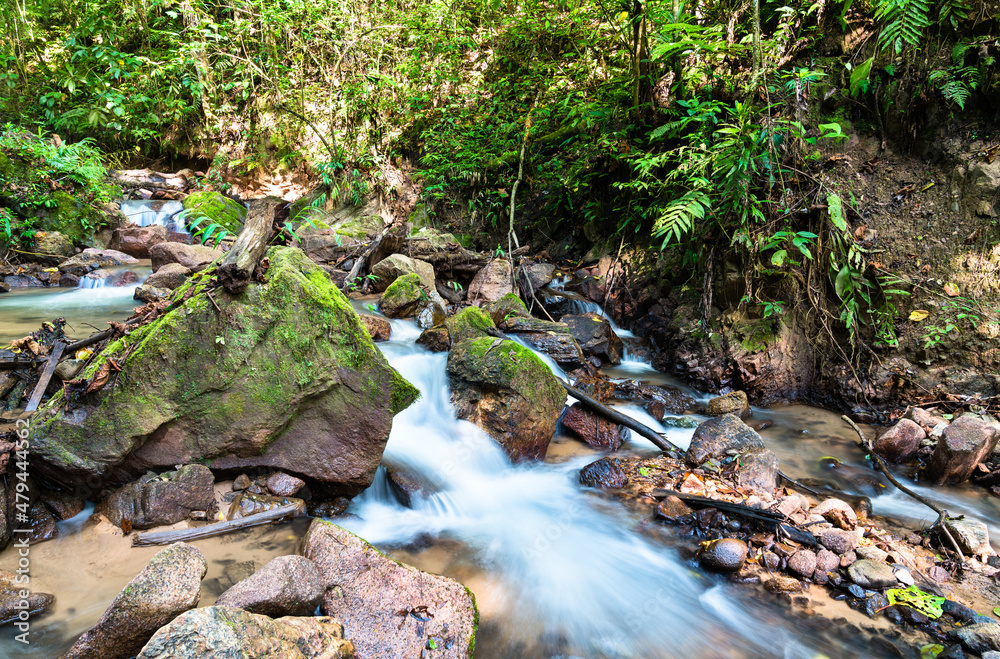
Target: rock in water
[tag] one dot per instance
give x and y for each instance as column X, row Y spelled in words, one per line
column 725, row 555
column 735, row 402
column 395, row 266
column 971, row 535
column 595, row 336
column 402, row 298
column 135, row 240
column 604, row 473
column 506, row 390
column 282, row 376
column 287, row 586
column 169, row 585
column 158, row 500
column 218, row 632
column 170, row 276
column 980, row 637
column 727, row 435
column 390, row 610
column 193, row 257
column 899, row 443
column 963, row 445
column 596, row 431
column 492, row 282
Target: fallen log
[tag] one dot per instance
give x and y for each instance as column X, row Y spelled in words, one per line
column 621, row 419
column 147, row 178
column 212, row 530
column 239, row 263
column 361, row 261
column 36, row 396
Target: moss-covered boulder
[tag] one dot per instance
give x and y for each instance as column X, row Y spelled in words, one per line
column 509, row 306
column 216, row 209
column 506, row 390
column 395, row 266
column 469, row 323
column 403, row 297
column 283, row 375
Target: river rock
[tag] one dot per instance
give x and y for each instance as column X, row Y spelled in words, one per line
column 63, row 505
column 68, row 369
column 724, row 555
column 135, row 240
column 193, row 257
column 827, row 561
column 838, row 541
column 963, row 445
column 553, row 339
column 972, row 536
column 284, row 376
column 656, row 400
column 873, row 575
column 506, row 390
column 871, row 553
column 169, row 585
column 92, row 259
column 979, row 637
column 21, row 281
column 169, row 276
column 53, row 244
column 431, row 314
column 539, row 275
column 377, row 327
column 147, row 293
column 435, row 339
column 899, row 443
column 925, row 419
column 728, row 435
column 281, row 484
column 506, row 308
column 780, row 583
column 286, row 586
column 403, row 297
column 246, row 504
column 605, row 473
column 469, row 323
column 160, row 500
column 217, row 632
column 837, row 512
column 735, row 402
column 673, row 510
column 595, row 430
column 41, row 523
column 492, row 282
column 367, row 591
column 395, row 266
column 408, row 485
column 803, row 563
column 17, row 601
column 595, row 336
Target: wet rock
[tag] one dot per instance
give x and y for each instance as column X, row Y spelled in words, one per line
column 925, row 419
column 160, row 500
column 242, row 482
column 435, row 339
column 281, row 484
column 959, row 611
column 771, row 561
column 169, row 276
column 232, row 389
column 68, row 281
column 872, row 575
column 724, row 555
column 875, row 603
column 735, row 402
column 378, row 328
column 728, row 435
column 431, row 314
column 169, row 585
column 41, row 523
column 539, row 274
column 469, row 323
column 972, row 536
column 595, row 430
column 53, row 244
column 492, row 282
column 250, row 503
column 408, row 485
column 21, row 281
column 286, row 586
column 978, row 637
column 506, row 390
column 838, row 541
column 193, row 257
column 803, row 563
column 656, row 400
column 403, row 297
column 553, row 339
column 586, row 285
column 16, row 600
column 963, row 445
column 672, row 510
column 779, row 583
column 92, row 259
column 136, row 241
column 595, row 336
column 334, row 508
column 221, row 632
column 507, row 308
column 367, row 590
column 899, row 443
column 395, row 266
column 63, row 505
column 604, row 473
column 147, row 293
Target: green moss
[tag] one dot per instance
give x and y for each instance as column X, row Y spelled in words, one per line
column 361, row 228
column 402, row 296
column 509, row 306
column 755, row 335
column 215, row 208
column 469, row 323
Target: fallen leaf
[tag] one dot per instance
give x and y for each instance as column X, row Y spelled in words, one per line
column 951, row 289
column 919, row 315
column 101, row 379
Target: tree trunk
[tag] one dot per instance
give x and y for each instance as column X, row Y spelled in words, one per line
column 240, row 262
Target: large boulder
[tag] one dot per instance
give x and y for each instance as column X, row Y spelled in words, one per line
column 282, row 376
column 469, row 323
column 899, row 443
column 492, row 282
column 390, row 610
column 506, row 390
column 286, row 586
column 218, row 632
column 169, row 585
column 214, row 208
column 727, row 435
column 193, row 257
column 395, row 266
column 135, row 240
column 554, row 339
column 92, row 259
column 595, row 336
column 963, row 445
column 160, row 500
column 54, row 245
column 169, row 276
column 595, row 430
column 403, row 297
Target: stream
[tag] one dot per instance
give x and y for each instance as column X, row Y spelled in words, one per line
column 557, row 569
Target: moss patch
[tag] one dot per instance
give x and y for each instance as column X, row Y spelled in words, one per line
column 469, row 323
column 214, row 208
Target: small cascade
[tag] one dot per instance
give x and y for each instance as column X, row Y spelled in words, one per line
column 146, row 212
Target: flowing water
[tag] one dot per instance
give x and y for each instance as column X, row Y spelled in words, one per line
column 145, row 213
column 558, row 570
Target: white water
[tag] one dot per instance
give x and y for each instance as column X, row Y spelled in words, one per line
column 568, row 564
column 145, row 213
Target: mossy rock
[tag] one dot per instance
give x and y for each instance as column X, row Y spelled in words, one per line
column 469, row 323
column 506, row 390
column 509, row 306
column 282, row 376
column 216, row 209
column 364, row 227
column 402, row 297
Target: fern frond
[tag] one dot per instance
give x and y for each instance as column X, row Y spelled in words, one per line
column 679, row 216
column 956, row 91
column 904, row 23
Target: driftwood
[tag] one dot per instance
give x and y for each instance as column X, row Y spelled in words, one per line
column 212, row 530
column 36, row 396
column 362, row 260
column 146, row 178
column 240, row 262
column 621, row 419
column 17, row 364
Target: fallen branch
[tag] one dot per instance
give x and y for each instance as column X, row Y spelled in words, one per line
column 43, row 381
column 362, row 260
column 212, row 530
column 239, row 264
column 622, row 419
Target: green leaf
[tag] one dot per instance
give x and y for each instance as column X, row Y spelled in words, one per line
column 931, row 651
column 836, row 207
column 843, row 283
column 915, row 598
column 859, row 77
column 778, row 258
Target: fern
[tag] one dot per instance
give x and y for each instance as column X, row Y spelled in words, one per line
column 956, row 91
column 952, row 11
column 904, row 23
column 679, row 216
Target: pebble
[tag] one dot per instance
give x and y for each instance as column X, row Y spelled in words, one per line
column 772, row 560
column 903, row 575
column 782, row 584
column 726, row 555
column 848, row 559
column 827, row 561
column 871, row 553
column 803, row 563
column 872, row 574
column 838, row 541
